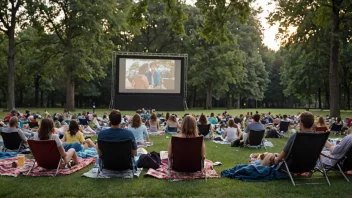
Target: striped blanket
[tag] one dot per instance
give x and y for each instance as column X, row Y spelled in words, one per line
column 162, row 172
column 6, row 168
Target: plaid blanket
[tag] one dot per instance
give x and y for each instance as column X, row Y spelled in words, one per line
column 162, row 172
column 156, row 133
column 6, row 168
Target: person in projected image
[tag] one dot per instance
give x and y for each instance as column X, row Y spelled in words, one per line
column 153, row 76
column 140, row 81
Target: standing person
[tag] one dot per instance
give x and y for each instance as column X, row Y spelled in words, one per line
column 115, row 133
column 47, row 132
column 253, row 126
column 140, row 81
column 139, row 130
column 153, row 76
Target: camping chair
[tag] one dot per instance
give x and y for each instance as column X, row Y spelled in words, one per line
column 204, row 129
column 116, row 156
column 83, row 122
column 186, row 155
column 46, row 154
column 304, row 154
column 33, row 124
column 336, row 128
column 283, row 130
column 255, row 139
column 12, row 141
column 342, row 165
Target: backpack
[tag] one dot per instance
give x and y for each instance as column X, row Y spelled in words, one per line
column 272, row 134
column 150, row 160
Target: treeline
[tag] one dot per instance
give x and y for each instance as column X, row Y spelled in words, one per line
column 61, row 53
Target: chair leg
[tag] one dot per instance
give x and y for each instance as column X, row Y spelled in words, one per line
column 169, row 169
column 30, row 170
column 342, row 173
column 57, row 169
column 324, row 173
column 289, row 173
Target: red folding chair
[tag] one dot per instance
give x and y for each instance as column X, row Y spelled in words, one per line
column 46, row 154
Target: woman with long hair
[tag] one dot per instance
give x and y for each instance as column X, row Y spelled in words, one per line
column 232, row 132
column 172, row 124
column 188, row 130
column 321, row 126
column 203, row 121
column 47, row 132
column 153, row 123
column 138, row 129
column 73, row 138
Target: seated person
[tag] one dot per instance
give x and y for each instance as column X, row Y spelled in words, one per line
column 320, row 126
column 256, row 125
column 232, row 132
column 13, row 128
column 172, row 122
column 153, row 123
column 306, row 123
column 74, row 138
column 188, row 130
column 138, row 130
column 47, row 132
column 115, row 133
column 203, row 121
column 212, row 119
column 336, row 151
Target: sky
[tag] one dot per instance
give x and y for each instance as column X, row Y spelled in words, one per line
column 269, row 32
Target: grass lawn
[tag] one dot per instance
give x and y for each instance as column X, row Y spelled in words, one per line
column 76, row 186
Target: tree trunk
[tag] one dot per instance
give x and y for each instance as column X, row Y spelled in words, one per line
column 20, row 101
column 229, row 100
column 11, row 69
column 70, row 91
column 36, row 91
column 334, row 63
column 319, row 98
column 239, row 102
column 41, row 98
column 209, row 96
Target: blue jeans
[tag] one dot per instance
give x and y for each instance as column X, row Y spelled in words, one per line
column 77, row 146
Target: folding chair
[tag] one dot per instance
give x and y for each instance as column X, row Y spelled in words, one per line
column 304, row 154
column 46, row 154
column 283, row 130
column 12, row 141
column 203, row 129
column 342, row 165
column 116, row 156
column 255, row 139
column 186, row 155
column 83, row 122
column 33, row 124
column 336, row 128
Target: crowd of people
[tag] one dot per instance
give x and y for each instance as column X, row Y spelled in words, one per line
column 70, row 131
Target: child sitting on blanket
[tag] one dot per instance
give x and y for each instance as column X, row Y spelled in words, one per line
column 74, row 138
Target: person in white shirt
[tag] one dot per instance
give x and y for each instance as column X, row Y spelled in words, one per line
column 232, row 132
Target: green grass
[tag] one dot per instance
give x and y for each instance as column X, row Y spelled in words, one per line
column 76, row 186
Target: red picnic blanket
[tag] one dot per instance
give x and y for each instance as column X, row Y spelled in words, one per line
column 6, row 168
column 162, row 172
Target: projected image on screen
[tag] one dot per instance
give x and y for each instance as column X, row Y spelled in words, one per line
column 150, row 74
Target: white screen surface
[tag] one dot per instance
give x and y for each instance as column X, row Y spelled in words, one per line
column 149, row 75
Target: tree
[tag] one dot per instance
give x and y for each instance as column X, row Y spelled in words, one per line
column 324, row 14
column 82, row 29
column 10, row 16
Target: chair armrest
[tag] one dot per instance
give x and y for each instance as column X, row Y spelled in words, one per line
column 328, row 156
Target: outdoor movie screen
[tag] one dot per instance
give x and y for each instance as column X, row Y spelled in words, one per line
column 149, row 75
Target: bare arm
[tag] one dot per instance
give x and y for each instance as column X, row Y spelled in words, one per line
column 203, row 150
column 329, row 146
column 169, row 150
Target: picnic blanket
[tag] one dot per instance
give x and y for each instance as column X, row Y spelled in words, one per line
column 126, row 174
column 7, row 169
column 87, row 153
column 5, row 155
column 162, row 171
column 156, row 133
column 144, row 144
column 221, row 142
column 253, row 173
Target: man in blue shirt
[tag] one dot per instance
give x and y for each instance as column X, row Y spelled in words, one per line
column 254, row 126
column 115, row 133
column 154, row 77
